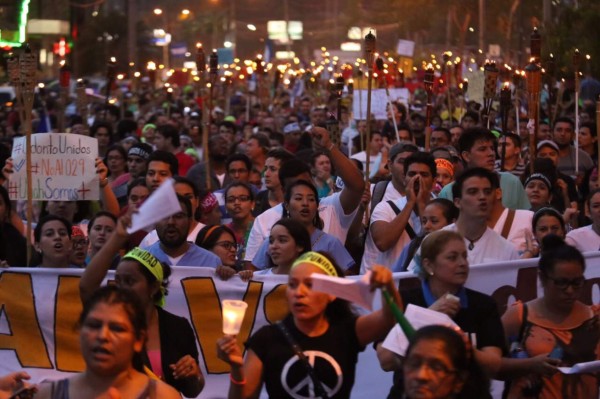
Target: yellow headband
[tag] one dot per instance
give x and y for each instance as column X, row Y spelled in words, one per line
column 318, row 260
column 153, row 265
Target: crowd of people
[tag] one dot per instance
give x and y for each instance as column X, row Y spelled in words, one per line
column 274, row 191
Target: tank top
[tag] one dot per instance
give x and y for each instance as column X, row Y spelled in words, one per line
column 60, row 390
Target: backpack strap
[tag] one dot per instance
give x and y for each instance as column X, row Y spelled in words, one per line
column 408, row 228
column 508, row 223
column 378, row 193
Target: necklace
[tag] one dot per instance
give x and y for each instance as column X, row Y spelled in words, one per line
column 472, row 242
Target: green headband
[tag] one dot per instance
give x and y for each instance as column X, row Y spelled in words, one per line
column 153, row 265
column 318, row 260
column 148, row 126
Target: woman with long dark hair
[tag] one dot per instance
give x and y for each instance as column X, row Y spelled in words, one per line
column 112, row 334
column 318, row 322
column 301, row 203
column 170, row 351
column 287, row 241
column 557, row 327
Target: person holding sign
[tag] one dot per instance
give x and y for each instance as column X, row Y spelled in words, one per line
column 170, row 350
column 113, row 331
column 13, row 246
column 320, row 325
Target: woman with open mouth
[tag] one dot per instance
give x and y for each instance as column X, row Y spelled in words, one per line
column 170, row 352
column 52, row 236
column 320, row 327
column 113, row 331
column 301, row 203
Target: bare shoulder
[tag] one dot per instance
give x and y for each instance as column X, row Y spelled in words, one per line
column 165, row 391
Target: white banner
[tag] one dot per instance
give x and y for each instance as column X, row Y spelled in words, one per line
column 62, row 168
column 39, row 309
column 379, row 102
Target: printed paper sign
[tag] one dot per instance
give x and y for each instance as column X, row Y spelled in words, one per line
column 379, row 102
column 62, row 168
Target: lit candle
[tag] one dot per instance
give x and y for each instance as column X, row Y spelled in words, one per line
column 233, row 315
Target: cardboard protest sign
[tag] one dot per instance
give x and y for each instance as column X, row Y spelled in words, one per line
column 62, row 168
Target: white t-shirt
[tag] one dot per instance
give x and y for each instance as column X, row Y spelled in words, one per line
column 491, row 247
column 521, row 225
column 335, row 222
column 152, row 237
column 384, row 212
column 371, row 252
column 584, row 239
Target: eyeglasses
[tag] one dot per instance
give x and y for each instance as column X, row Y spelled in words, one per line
column 228, row 245
column 437, row 368
column 241, row 198
column 564, row 283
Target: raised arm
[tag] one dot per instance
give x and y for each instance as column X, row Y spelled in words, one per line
column 95, row 272
column 107, row 196
column 345, row 168
column 386, row 234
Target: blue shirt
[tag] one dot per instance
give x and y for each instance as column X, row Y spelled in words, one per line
column 195, row 256
column 430, row 299
column 400, row 262
column 320, row 241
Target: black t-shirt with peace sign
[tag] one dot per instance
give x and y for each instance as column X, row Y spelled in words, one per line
column 333, row 356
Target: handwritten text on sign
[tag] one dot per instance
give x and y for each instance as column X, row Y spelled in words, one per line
column 62, row 168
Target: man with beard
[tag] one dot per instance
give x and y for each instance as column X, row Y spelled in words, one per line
column 218, row 150
column 564, row 129
column 172, row 246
